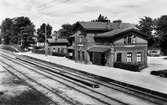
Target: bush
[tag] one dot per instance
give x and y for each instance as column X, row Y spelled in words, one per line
column 161, row 73
column 39, row 51
column 127, row 66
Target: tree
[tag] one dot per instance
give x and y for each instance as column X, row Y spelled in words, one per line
column 41, row 32
column 66, row 31
column 27, row 34
column 146, row 25
column 161, row 31
column 101, row 18
column 19, row 29
column 6, row 30
column 12, row 30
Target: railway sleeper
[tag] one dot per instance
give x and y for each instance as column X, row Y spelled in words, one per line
column 131, row 87
column 85, row 82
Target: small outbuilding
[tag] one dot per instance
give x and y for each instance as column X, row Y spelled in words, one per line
column 154, row 51
column 57, row 47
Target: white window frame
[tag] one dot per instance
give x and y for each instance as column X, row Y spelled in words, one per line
column 129, row 57
column 139, row 57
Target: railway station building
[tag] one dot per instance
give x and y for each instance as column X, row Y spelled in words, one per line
column 104, row 43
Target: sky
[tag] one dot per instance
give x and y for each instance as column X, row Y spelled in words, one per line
column 58, row 12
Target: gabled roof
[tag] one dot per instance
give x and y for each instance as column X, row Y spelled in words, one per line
column 103, row 26
column 57, row 41
column 118, row 32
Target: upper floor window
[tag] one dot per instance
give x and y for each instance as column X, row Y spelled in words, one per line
column 80, row 39
column 130, row 39
column 58, row 50
column 54, row 50
column 133, row 39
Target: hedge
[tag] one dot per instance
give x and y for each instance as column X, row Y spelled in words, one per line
column 127, row 66
column 39, row 51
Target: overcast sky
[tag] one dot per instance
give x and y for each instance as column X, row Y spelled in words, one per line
column 58, row 12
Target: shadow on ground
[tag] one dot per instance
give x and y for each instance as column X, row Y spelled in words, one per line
column 15, row 92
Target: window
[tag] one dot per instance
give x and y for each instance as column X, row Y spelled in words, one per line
column 133, row 39
column 58, row 50
column 54, row 50
column 139, row 57
column 79, row 55
column 154, row 51
column 62, row 50
column 129, row 57
column 119, row 57
column 130, row 39
column 125, row 40
column 80, row 39
column 83, row 56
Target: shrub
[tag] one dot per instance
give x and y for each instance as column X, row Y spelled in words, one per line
column 39, row 51
column 127, row 66
column 161, row 73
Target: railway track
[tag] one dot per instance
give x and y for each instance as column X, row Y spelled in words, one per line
column 102, row 99
column 95, row 81
column 46, row 90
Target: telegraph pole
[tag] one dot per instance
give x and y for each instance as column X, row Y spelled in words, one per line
column 45, row 41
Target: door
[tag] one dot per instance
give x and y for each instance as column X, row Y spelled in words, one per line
column 97, row 58
column 119, row 57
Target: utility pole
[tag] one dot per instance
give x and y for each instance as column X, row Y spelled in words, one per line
column 46, row 41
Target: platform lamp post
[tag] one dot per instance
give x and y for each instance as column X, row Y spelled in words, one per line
column 45, row 41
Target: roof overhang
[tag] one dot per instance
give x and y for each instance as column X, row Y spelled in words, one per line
column 100, row 49
column 117, row 33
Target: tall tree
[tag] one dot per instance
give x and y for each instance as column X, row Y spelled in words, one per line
column 161, row 31
column 19, row 29
column 12, row 30
column 66, row 31
column 146, row 25
column 6, row 33
column 101, row 18
column 41, row 32
column 27, row 34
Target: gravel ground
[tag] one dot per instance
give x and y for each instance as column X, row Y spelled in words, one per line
column 15, row 92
